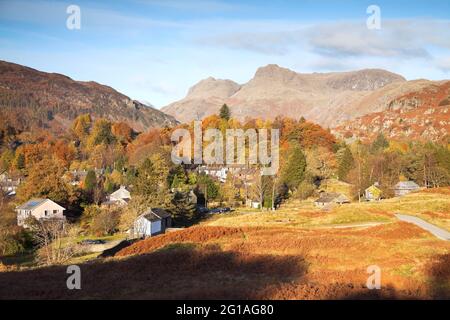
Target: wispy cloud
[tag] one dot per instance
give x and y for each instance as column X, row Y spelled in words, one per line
column 204, row 6
column 397, row 38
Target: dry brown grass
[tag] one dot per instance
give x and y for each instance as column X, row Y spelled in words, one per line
column 194, row 234
column 256, row 263
column 443, row 190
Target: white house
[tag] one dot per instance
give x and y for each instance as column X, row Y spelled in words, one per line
column 217, row 171
column 153, row 222
column 405, row 187
column 41, row 209
column 9, row 184
column 119, row 197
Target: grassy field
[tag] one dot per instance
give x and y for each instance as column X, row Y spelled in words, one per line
column 432, row 206
column 298, row 252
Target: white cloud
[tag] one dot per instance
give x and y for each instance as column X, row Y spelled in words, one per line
column 443, row 64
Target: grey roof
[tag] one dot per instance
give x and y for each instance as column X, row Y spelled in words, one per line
column 327, row 197
column 407, row 185
column 155, row 214
column 161, row 212
column 31, row 204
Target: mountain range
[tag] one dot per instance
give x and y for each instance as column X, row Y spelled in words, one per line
column 333, row 100
column 356, row 104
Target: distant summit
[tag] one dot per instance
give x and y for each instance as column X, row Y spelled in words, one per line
column 325, row 98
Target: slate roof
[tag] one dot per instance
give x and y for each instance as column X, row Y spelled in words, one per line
column 31, row 204
column 328, row 197
column 155, row 214
column 407, row 185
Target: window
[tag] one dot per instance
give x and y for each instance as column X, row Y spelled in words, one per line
column 45, row 212
column 55, row 211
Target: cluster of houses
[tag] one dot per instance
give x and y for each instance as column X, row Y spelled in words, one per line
column 244, row 177
column 372, row 193
column 244, row 173
column 77, row 177
column 150, row 223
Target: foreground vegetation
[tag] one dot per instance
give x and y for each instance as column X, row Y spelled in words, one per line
column 297, row 252
column 256, row 263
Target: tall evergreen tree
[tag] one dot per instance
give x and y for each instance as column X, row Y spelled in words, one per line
column 294, row 171
column 183, row 211
column 177, row 178
column 345, row 164
column 147, row 181
column 90, row 181
column 380, row 143
column 150, row 183
column 225, row 112
column 20, row 161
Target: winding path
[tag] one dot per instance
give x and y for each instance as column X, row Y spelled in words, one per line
column 436, row 231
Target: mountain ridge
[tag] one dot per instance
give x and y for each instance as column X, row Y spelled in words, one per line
column 32, row 98
column 275, row 90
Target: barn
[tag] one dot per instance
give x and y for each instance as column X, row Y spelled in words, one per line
column 405, row 187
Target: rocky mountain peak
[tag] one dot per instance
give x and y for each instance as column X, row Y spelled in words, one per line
column 275, row 72
column 211, row 87
column 364, row 80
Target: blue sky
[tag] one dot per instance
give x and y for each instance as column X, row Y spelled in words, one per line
column 154, row 50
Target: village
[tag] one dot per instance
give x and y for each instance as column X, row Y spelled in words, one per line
column 155, row 221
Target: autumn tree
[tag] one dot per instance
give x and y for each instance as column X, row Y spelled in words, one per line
column 45, row 180
column 261, row 188
column 55, row 241
column 6, row 160
column 321, row 164
column 105, row 222
column 64, row 152
column 229, row 190
column 81, row 126
column 122, row 132
column 101, row 133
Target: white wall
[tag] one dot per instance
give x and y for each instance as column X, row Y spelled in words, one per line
column 39, row 212
column 143, row 227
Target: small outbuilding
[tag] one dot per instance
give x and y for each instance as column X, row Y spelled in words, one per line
column 329, row 198
column 405, row 187
column 373, row 193
column 151, row 223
